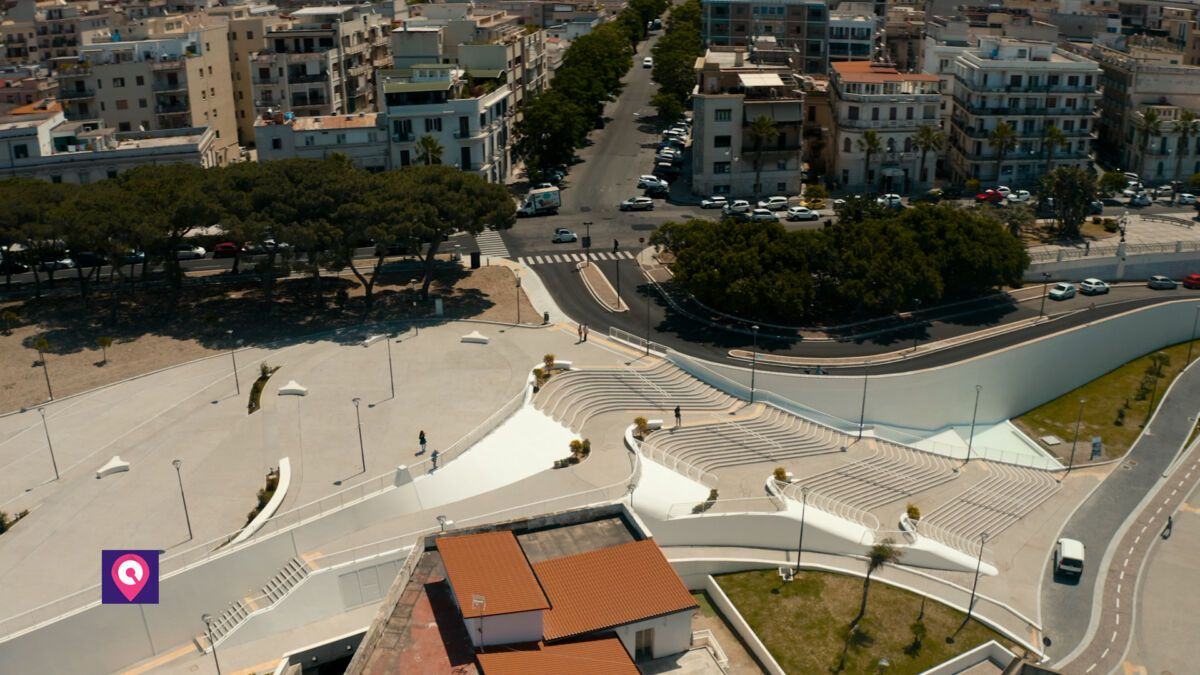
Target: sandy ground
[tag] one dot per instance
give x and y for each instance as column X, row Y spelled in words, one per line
column 147, row 335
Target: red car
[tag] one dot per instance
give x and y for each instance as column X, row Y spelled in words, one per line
column 227, row 250
column 1191, row 281
column 990, row 197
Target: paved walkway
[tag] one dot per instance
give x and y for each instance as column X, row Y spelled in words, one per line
column 1098, row 522
column 1160, row 228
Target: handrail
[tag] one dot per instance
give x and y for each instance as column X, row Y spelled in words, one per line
column 670, row 461
column 835, row 507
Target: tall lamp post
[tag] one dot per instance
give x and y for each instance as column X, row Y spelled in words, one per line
column 983, row 537
column 177, row 463
column 358, row 419
column 916, row 325
column 518, row 292
column 618, row 299
column 1071, row 461
column 46, row 429
column 208, row 621
column 862, row 411
column 803, row 513
column 587, row 238
column 233, row 355
column 1045, row 284
column 753, row 360
column 647, row 320
column 1193, row 340
column 971, row 438
column 391, row 371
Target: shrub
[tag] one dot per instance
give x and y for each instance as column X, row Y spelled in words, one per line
column 9, row 317
column 815, row 191
column 707, row 503
column 914, row 513
column 1110, row 225
column 780, row 474
column 641, row 427
column 1095, row 220
column 548, row 359
column 256, row 390
column 576, row 446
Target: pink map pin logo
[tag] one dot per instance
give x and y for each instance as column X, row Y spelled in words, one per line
column 130, row 573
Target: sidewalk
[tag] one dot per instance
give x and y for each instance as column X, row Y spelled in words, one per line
column 1158, row 228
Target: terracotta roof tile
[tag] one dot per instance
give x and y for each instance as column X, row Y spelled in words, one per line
column 603, row 656
column 609, row 587
column 865, row 71
column 493, row 565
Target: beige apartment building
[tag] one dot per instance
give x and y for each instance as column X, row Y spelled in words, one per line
column 35, row 32
column 25, row 86
column 173, row 73
column 731, row 93
column 360, row 137
column 323, row 63
column 248, row 27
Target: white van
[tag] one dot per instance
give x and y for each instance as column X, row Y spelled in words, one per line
column 1068, row 557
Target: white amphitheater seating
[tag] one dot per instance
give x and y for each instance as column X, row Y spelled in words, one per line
column 892, row 472
column 996, row 502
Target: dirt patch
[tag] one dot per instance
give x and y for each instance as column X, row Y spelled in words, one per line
column 153, row 329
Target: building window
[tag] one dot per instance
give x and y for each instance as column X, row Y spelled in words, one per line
column 874, row 114
column 123, row 126
column 892, row 113
column 723, row 114
column 845, row 176
column 249, row 35
column 404, row 158
column 142, row 103
column 852, row 112
column 781, row 187
column 465, row 158
column 20, row 151
column 433, row 124
column 55, row 178
column 122, row 104
column 846, row 146
column 118, row 82
column 722, row 141
column 141, row 81
column 720, row 167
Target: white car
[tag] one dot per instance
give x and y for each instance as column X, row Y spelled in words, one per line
column 563, row 236
column 1133, row 188
column 714, row 202
column 187, row 252
column 738, row 206
column 763, row 216
column 667, row 155
column 651, row 181
column 802, row 213
column 1019, row 196
column 890, row 200
column 774, row 203
column 637, row 204
column 1061, row 291
column 1185, row 198
column 648, row 62
column 1140, row 199
column 59, row 264
column 1004, row 190
column 1093, row 287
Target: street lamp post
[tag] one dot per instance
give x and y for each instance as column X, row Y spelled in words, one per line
column 618, row 300
column 233, row 355
column 358, row 419
column 862, row 411
column 1193, row 340
column 1045, row 284
column 587, row 238
column 208, row 620
column 518, row 292
column 753, row 360
column 983, row 537
column 647, row 321
column 803, row 513
column 916, row 326
column 391, row 371
column 176, row 463
column 971, row 439
column 1078, row 419
column 46, row 429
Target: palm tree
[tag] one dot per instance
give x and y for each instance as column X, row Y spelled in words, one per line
column 1004, row 139
column 881, row 554
column 1052, row 137
column 869, row 144
column 928, row 139
column 1147, row 126
column 429, row 150
column 1187, row 125
column 762, row 131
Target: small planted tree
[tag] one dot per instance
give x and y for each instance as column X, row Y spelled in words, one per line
column 914, row 513
column 9, row 317
column 707, row 503
column 548, row 361
column 104, row 342
column 881, row 554
column 641, row 427
column 780, row 474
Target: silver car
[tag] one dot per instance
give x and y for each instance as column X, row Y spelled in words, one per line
column 1160, row 283
column 637, row 204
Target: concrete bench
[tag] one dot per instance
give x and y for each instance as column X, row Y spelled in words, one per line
column 475, row 337
column 293, row 388
column 114, row 465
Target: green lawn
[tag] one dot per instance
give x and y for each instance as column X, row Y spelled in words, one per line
column 706, row 607
column 804, row 623
column 1105, row 396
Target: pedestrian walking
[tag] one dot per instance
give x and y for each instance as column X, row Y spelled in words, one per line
column 585, row 332
column 678, row 417
column 434, row 458
column 421, row 440
column 579, row 330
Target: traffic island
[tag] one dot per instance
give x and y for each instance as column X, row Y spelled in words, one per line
column 602, row 291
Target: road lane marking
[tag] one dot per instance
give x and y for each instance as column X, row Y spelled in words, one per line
column 1089, row 669
column 1172, row 494
column 1144, row 528
column 1137, row 539
column 1122, row 577
column 1118, row 588
column 1114, row 637
column 1118, row 619
column 1158, row 511
column 1126, row 563
column 1104, row 653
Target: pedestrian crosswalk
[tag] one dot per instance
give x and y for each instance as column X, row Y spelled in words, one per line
column 573, row 257
column 490, row 244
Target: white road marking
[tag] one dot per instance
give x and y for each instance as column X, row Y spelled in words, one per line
column 1158, row 511
column 1118, row 589
column 1114, row 637
column 1104, row 653
column 1126, row 563
column 1137, row 539
column 1089, row 669
column 1123, row 573
column 1143, row 528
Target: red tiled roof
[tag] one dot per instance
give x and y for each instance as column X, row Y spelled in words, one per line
column 603, row 656
column 609, row 587
column 490, row 564
column 865, row 71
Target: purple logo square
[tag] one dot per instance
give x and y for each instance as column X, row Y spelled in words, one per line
column 129, row 577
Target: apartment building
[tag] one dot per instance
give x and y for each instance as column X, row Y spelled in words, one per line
column 547, row 13
column 469, row 118
column 172, row 73
column 323, row 63
column 802, row 25
column 35, row 32
column 24, row 86
column 904, row 27
column 358, row 136
column 82, row 151
column 855, row 32
column 1029, row 85
column 1136, row 78
column 731, row 92
column 248, row 27
column 877, row 97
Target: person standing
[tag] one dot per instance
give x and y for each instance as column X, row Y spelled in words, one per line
column 421, row 440
column 579, row 330
column 434, row 459
column 678, row 417
column 585, row 332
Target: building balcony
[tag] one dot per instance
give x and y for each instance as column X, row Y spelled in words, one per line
column 171, row 108
column 912, row 124
column 932, row 97
column 175, row 63
column 72, row 94
column 897, row 157
column 270, row 79
column 976, row 109
column 1026, row 88
column 1031, row 133
column 403, row 138
column 307, row 78
column 309, row 102
column 162, row 87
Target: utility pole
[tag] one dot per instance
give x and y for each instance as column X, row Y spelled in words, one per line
column 233, row 355
column 208, row 619
column 176, row 463
column 753, row 360
column 971, row 439
column 45, row 428
column 862, row 412
column 392, row 372
column 1071, row 461
column 361, row 450
column 803, row 513
column 618, row 264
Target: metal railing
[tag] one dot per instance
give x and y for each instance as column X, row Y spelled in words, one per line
column 681, row 466
column 833, row 506
column 635, row 341
column 1060, row 254
column 723, row 507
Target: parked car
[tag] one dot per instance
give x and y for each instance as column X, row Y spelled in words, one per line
column 1068, row 557
column 648, row 62
column 267, row 246
column 187, row 252
column 763, row 216
column 88, row 259
column 1019, row 196
column 563, row 236
column 802, row 213
column 1092, row 286
column 10, row 266
column 737, row 206
column 1140, row 199
column 56, row 264
column 1160, row 283
column 227, row 249
column 1003, row 189
column 714, row 202
column 650, row 180
column 1061, row 291
column 774, row 203
column 989, row 197
column 658, row 190
column 929, row 197
column 133, row 258
column 1191, row 281
column 1133, row 188
column 1185, row 198
column 890, row 200
column 637, row 204
column 1096, row 208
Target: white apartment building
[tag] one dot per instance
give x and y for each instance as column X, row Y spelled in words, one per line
column 51, row 148
column 358, row 136
column 1029, row 85
column 323, row 63
column 855, row 32
column 876, row 97
column 732, row 92
column 471, row 124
